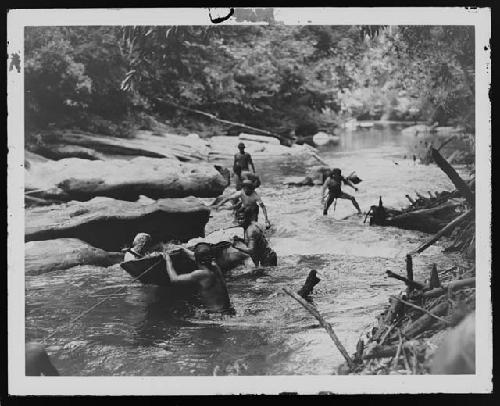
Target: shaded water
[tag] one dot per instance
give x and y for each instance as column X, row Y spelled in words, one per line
column 145, row 331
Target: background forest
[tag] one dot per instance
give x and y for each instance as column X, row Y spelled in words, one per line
column 285, row 79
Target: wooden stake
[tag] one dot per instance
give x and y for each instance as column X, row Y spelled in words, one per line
column 434, row 281
column 311, row 309
column 409, row 268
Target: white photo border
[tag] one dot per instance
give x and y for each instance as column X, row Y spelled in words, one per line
column 19, row 384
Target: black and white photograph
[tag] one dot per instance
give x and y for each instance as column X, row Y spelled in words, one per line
column 249, row 201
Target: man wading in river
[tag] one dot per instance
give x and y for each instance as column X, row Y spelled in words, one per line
column 242, row 161
column 207, row 278
column 334, row 186
column 249, row 199
column 255, row 242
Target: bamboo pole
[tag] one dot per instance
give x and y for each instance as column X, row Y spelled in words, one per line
column 327, row 326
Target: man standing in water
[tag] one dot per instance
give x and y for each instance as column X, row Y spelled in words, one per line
column 334, row 185
column 207, row 278
column 255, row 242
column 249, row 198
column 242, row 161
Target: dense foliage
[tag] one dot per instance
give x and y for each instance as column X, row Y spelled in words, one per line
column 277, row 77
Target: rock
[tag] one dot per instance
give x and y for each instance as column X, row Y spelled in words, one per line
column 57, row 152
column 143, row 143
column 298, row 181
column 63, row 253
column 81, row 179
column 112, row 224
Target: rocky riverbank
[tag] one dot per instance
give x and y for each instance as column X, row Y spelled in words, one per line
column 87, row 195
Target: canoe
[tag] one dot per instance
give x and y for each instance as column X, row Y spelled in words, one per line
column 157, row 275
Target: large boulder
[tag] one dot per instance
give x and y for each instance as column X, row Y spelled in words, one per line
column 112, row 224
column 63, row 253
column 81, row 179
column 143, row 143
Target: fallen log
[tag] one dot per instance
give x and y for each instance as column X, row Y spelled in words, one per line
column 409, row 283
column 415, row 221
column 453, row 175
column 442, row 232
column 425, row 321
column 220, row 120
column 452, row 286
column 311, row 309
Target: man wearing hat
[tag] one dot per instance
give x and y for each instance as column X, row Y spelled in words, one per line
column 249, row 198
column 242, row 161
column 140, row 247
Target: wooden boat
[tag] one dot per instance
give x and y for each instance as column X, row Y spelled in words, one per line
column 158, row 275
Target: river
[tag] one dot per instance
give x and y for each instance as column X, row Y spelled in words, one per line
column 139, row 332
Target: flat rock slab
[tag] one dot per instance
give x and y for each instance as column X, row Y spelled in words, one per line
column 81, row 179
column 112, row 224
column 63, row 253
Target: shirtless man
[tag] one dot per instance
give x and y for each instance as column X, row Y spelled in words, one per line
column 140, row 247
column 207, row 278
column 249, row 198
column 242, row 161
column 255, row 242
column 38, row 362
column 334, row 186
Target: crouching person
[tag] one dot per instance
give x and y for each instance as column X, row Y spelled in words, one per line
column 207, row 279
column 254, row 243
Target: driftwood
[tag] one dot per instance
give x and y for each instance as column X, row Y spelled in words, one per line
column 385, row 351
column 311, row 309
column 421, row 309
column 409, row 283
column 442, row 232
column 311, row 281
column 459, row 183
column 425, row 321
column 283, row 139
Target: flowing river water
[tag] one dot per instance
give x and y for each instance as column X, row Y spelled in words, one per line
column 141, row 332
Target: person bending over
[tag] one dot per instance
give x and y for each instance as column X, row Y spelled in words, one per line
column 334, row 186
column 255, row 243
column 249, row 198
column 208, row 280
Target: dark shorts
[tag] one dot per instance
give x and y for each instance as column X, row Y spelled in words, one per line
column 270, row 258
